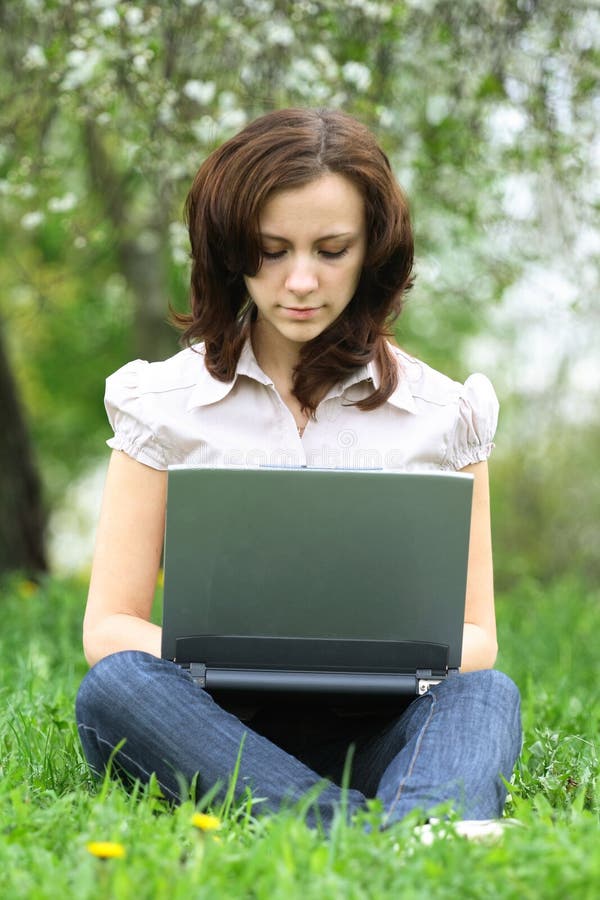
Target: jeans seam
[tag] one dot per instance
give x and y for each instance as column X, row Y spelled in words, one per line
column 135, row 764
column 412, row 763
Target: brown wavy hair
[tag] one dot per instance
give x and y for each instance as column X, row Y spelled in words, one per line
column 282, row 150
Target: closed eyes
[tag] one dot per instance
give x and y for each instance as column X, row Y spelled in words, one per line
column 327, row 254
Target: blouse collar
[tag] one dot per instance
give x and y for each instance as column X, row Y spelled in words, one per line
column 208, row 390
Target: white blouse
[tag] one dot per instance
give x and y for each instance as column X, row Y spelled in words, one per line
column 175, row 413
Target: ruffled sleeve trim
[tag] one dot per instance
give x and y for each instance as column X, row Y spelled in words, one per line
column 128, row 416
column 476, row 423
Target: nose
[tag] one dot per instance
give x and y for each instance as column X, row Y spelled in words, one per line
column 301, row 278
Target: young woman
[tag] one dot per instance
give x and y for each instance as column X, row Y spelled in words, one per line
column 301, row 253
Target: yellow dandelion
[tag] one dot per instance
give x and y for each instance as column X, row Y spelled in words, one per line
column 28, row 588
column 206, row 822
column 106, row 849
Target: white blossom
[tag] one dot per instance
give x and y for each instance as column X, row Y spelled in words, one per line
column 166, row 111
column 108, row 18
column 304, row 77
column 179, row 241
column 374, row 9
column 437, row 108
column 279, row 33
column 34, row 58
column 227, row 100
column 303, row 8
column 62, row 204
column 302, row 70
column 200, row 91
column 140, row 63
column 246, row 74
column 134, row 16
column 232, row 119
column 322, row 55
column 517, row 89
column 205, row 130
column 81, row 66
column 505, row 124
column 386, row 117
column 357, row 74
column 259, row 7
column 519, row 200
column 31, row 220
column 425, row 6
column 76, row 58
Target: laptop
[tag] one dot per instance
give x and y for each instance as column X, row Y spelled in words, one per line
column 340, row 583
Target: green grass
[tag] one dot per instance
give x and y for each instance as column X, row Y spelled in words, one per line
column 50, row 809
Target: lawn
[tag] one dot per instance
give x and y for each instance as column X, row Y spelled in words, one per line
column 50, row 810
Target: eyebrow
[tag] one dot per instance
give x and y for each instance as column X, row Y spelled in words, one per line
column 324, row 237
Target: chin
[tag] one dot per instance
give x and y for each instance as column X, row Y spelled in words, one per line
column 303, row 335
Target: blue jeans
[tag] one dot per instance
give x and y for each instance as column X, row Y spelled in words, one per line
column 456, row 743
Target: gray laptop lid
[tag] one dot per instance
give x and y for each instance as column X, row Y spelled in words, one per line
column 276, row 572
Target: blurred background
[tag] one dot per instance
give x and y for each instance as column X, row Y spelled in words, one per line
column 489, row 111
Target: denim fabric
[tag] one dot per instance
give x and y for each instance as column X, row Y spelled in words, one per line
column 456, row 743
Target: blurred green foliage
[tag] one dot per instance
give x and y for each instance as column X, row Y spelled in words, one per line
column 489, row 114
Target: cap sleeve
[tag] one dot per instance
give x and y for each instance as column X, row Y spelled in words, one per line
column 477, row 419
column 128, row 415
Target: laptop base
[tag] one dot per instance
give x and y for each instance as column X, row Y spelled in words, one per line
column 335, row 667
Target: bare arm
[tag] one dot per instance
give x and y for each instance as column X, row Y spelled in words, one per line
column 479, row 637
column 126, row 560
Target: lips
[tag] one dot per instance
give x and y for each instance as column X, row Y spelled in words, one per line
column 300, row 312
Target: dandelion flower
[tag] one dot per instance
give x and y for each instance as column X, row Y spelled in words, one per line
column 206, row 822
column 106, row 849
column 28, row 588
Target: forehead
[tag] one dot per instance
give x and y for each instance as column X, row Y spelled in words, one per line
column 332, row 202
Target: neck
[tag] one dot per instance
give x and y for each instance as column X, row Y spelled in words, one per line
column 276, row 356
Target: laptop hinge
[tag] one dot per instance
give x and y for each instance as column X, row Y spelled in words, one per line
column 425, row 677
column 198, row 673
column 425, row 680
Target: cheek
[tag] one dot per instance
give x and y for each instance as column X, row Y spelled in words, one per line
column 255, row 286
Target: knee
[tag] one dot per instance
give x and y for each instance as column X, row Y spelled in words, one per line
column 493, row 688
column 491, row 682
column 500, row 696
column 497, row 687
column 490, row 690
column 112, row 682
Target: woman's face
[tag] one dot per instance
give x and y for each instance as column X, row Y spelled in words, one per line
column 313, row 241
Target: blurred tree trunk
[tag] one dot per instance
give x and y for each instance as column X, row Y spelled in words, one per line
column 141, row 241
column 22, row 517
column 144, row 269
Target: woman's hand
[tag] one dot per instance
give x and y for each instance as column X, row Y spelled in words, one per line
column 479, row 637
column 126, row 560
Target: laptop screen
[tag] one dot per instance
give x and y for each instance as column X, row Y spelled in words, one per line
column 316, row 555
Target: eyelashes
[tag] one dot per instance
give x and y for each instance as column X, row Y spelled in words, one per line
column 326, row 254
column 331, row 254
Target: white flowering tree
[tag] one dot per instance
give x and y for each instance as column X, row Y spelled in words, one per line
column 107, row 109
